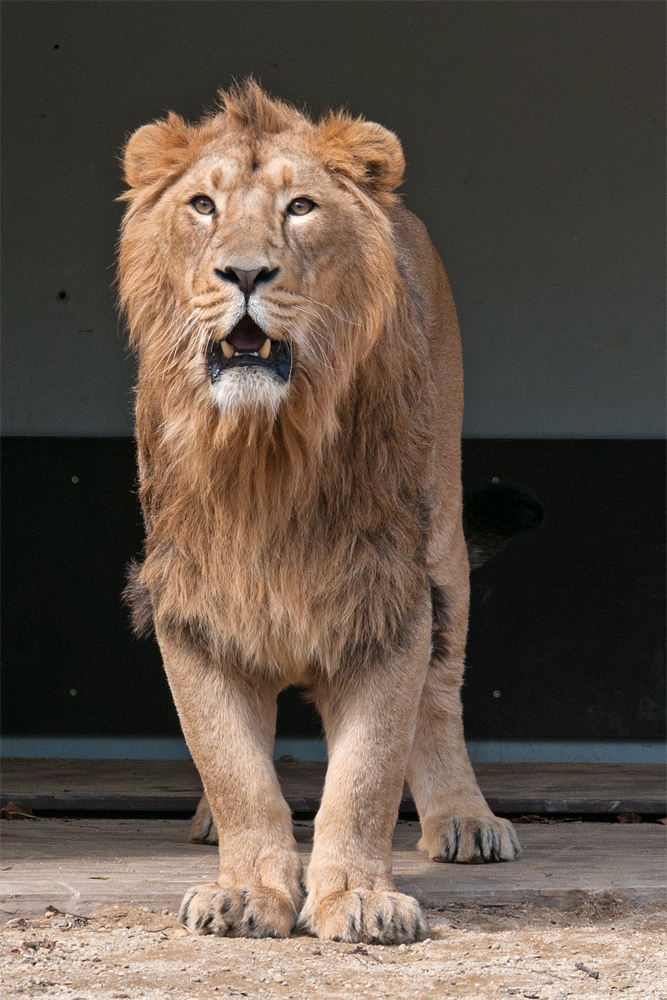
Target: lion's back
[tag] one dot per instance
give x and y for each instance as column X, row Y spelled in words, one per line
column 427, row 281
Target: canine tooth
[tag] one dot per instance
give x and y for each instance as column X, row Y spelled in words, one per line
column 227, row 349
column 265, row 349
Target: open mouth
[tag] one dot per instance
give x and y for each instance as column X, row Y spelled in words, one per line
column 248, row 346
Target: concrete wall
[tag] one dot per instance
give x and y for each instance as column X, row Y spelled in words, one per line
column 535, row 147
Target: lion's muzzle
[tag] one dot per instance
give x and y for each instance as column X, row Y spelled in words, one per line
column 247, row 345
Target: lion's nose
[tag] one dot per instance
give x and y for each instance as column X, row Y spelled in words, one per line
column 245, row 278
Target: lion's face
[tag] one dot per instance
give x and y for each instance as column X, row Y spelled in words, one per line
column 256, row 262
column 261, row 235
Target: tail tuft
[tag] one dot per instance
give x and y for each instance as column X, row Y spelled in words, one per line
column 492, row 516
column 138, row 601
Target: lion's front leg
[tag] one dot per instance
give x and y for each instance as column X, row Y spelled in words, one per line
column 229, row 725
column 369, row 722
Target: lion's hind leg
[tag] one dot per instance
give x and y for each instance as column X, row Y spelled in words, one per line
column 203, row 829
column 469, row 839
column 457, row 824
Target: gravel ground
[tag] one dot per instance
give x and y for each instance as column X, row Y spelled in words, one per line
column 601, row 950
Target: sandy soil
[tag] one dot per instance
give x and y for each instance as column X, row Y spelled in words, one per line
column 472, row 952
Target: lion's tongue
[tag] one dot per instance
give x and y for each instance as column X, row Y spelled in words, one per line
column 246, row 336
column 246, row 341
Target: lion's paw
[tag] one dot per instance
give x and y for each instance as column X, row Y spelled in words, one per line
column 202, row 829
column 363, row 915
column 468, row 840
column 238, row 911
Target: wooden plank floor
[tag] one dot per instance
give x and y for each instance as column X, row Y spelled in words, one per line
column 174, row 785
column 81, row 865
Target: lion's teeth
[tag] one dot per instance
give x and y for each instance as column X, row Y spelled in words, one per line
column 227, row 349
column 265, row 349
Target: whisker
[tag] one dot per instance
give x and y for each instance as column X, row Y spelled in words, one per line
column 322, row 332
column 168, row 359
column 315, row 349
column 324, row 305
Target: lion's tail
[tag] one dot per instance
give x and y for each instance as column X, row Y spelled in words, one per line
column 138, row 601
column 492, row 516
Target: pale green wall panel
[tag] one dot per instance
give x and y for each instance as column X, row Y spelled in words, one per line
column 534, row 136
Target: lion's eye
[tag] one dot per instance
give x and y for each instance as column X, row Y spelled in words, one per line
column 300, row 206
column 203, row 205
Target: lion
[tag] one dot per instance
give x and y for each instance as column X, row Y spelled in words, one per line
column 298, row 422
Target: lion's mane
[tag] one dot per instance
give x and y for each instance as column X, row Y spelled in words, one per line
column 295, row 537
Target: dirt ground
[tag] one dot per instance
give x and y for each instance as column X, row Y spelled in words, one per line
column 600, row 950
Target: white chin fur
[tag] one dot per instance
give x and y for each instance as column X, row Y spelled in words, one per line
column 243, row 389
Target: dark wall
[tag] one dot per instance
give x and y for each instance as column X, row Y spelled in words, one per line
column 567, row 623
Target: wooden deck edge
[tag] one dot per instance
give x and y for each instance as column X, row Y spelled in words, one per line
column 32, row 903
column 561, row 899
column 188, row 803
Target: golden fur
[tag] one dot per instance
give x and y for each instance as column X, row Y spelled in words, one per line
column 297, row 530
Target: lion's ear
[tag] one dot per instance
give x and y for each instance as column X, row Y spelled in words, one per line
column 367, row 153
column 156, row 150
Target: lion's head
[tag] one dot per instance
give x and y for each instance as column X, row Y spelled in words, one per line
column 256, row 262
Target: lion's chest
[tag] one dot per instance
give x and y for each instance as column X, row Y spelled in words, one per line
column 293, row 604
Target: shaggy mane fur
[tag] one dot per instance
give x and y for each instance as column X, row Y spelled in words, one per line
column 246, row 106
column 318, row 515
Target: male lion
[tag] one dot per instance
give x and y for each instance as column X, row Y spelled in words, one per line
column 298, row 423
